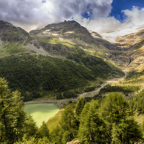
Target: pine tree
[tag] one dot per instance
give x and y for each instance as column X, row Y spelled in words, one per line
column 92, row 127
column 80, row 105
column 14, row 123
column 10, row 110
column 56, row 135
column 115, row 108
column 115, row 112
column 68, row 124
column 43, row 131
column 31, row 128
column 128, row 131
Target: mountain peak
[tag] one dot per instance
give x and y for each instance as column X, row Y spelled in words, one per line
column 4, row 24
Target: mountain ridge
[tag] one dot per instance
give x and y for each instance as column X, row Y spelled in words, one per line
column 63, row 68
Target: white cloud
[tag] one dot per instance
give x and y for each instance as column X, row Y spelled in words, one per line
column 110, row 28
column 38, row 13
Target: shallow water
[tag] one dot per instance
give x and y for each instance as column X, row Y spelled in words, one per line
column 41, row 112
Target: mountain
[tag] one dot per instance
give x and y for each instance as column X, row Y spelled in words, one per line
column 61, row 58
column 134, row 45
column 57, row 38
column 127, row 41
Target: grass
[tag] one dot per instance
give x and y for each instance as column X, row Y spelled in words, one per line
column 41, row 112
column 139, row 118
column 13, row 48
column 53, row 122
column 58, row 41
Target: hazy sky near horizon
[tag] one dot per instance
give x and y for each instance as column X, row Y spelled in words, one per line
column 107, row 17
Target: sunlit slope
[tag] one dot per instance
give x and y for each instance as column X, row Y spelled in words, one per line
column 40, row 63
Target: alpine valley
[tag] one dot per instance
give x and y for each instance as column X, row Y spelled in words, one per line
column 98, row 85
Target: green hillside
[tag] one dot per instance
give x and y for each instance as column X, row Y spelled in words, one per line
column 45, row 65
column 35, row 75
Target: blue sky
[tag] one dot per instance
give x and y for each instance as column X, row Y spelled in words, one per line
column 119, row 5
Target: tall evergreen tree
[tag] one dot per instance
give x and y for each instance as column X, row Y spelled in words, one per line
column 31, row 128
column 115, row 112
column 43, row 131
column 68, row 124
column 14, row 123
column 92, row 127
column 56, row 135
column 10, row 111
column 80, row 105
column 128, row 131
column 115, row 108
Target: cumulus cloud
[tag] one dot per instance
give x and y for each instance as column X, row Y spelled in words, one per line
column 110, row 28
column 38, row 13
column 31, row 14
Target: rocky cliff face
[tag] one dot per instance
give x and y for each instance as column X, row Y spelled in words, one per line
column 10, row 33
column 75, row 35
column 69, row 38
column 133, row 44
column 130, row 40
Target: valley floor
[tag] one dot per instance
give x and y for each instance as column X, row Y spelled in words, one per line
column 91, row 94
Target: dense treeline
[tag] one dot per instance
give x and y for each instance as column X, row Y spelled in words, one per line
column 96, row 64
column 15, row 124
column 106, row 121
column 124, row 89
column 136, row 104
column 35, row 75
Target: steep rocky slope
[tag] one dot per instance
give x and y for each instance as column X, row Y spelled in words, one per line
column 60, row 58
column 133, row 44
column 129, row 40
column 61, row 38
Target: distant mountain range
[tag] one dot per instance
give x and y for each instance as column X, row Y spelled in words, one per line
column 64, row 57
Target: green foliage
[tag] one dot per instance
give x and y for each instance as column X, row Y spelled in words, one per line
column 68, row 120
column 115, row 108
column 88, row 89
column 66, row 94
column 115, row 111
column 33, row 76
column 92, row 127
column 124, row 89
column 97, row 65
column 134, row 74
column 128, row 131
column 10, row 112
column 43, row 131
column 68, row 127
column 33, row 140
column 136, row 104
column 80, row 105
column 56, row 135
column 14, row 123
column 30, row 129
column 95, row 122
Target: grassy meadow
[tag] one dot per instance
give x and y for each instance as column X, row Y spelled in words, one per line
column 41, row 112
